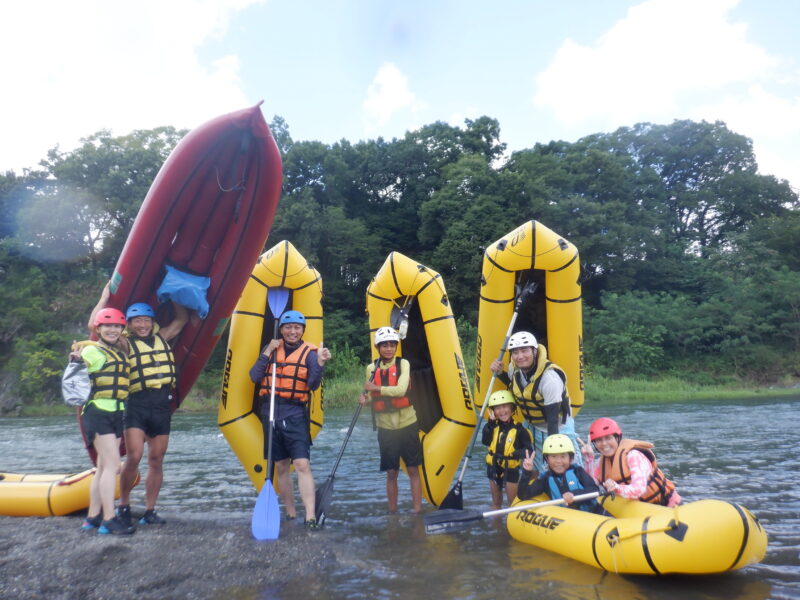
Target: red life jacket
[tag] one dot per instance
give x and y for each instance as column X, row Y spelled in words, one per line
column 291, row 375
column 388, row 377
column 659, row 488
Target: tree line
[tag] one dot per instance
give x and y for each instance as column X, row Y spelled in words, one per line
column 690, row 257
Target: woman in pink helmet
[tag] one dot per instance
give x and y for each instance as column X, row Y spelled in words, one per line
column 626, row 467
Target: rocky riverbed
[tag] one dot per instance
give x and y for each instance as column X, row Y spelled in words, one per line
column 186, row 558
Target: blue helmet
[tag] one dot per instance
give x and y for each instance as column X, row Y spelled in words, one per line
column 292, row 316
column 140, row 309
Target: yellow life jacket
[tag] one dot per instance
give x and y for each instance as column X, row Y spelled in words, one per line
column 110, row 382
column 529, row 399
column 151, row 367
column 505, row 438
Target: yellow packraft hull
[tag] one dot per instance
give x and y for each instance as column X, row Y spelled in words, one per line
column 532, row 252
column 45, row 495
column 252, row 327
column 439, row 388
column 703, row 537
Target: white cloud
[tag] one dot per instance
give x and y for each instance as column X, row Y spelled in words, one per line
column 771, row 121
column 91, row 64
column 644, row 65
column 388, row 95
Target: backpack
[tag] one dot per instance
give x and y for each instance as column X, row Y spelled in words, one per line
column 75, row 384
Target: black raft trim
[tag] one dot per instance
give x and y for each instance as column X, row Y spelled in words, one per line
column 645, row 549
column 745, row 533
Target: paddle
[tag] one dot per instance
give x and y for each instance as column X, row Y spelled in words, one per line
column 442, row 520
column 266, row 521
column 454, row 498
column 325, row 491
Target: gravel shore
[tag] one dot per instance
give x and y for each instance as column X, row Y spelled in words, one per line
column 190, row 558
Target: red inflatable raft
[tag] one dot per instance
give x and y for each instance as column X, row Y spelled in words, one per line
column 208, row 213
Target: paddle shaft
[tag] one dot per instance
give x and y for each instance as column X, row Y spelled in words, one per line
column 277, row 299
column 519, row 507
column 522, row 296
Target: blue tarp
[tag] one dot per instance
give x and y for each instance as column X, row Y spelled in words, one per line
column 185, row 289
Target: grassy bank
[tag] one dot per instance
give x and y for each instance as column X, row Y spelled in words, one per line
column 342, row 390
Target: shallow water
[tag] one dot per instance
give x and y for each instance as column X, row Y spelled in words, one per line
column 743, row 451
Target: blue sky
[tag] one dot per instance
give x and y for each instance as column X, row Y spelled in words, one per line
column 366, row 68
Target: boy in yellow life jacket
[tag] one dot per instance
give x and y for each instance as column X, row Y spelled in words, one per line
column 508, row 442
column 398, row 432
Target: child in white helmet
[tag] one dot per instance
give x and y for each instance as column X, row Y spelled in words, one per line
column 508, row 444
column 395, row 417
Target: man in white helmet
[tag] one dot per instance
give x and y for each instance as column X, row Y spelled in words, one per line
column 540, row 389
column 395, row 418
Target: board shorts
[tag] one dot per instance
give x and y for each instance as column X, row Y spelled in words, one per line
column 402, row 443
column 502, row 476
column 291, row 438
column 100, row 422
column 149, row 410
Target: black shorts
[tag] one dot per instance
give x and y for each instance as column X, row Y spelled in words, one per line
column 399, row 443
column 291, row 438
column 149, row 410
column 501, row 476
column 100, row 422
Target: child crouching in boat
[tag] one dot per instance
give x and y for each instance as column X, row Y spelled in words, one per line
column 562, row 479
column 626, row 467
column 508, row 443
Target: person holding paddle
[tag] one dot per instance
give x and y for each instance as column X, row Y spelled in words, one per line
column 540, row 389
column 562, row 479
column 395, row 417
column 508, row 443
column 298, row 369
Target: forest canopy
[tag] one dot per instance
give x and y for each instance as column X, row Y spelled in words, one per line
column 690, row 258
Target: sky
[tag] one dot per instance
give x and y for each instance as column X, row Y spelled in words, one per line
column 360, row 69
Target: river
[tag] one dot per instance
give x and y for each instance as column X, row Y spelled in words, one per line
column 743, row 451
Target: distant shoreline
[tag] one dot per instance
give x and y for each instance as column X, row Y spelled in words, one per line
column 601, row 391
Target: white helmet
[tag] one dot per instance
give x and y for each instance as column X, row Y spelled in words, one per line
column 386, row 334
column 522, row 339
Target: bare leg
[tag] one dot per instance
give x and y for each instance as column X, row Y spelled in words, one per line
column 134, row 445
column 285, row 486
column 108, row 462
column 416, row 488
column 391, row 489
column 156, row 449
column 511, row 492
column 305, row 483
column 497, row 494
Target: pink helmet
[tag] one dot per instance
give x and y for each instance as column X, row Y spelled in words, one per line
column 109, row 316
column 603, row 427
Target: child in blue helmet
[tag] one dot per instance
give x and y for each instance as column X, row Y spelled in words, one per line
column 299, row 367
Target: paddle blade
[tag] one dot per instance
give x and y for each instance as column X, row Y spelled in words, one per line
column 454, row 499
column 449, row 518
column 277, row 298
column 266, row 521
column 323, row 500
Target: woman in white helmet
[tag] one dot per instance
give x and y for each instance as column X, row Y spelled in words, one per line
column 395, row 418
column 540, row 389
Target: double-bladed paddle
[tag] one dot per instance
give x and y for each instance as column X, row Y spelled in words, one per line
column 266, row 521
column 454, row 498
column 325, row 491
column 443, row 520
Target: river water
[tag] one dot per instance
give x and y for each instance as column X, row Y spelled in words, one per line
column 743, row 451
